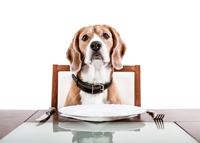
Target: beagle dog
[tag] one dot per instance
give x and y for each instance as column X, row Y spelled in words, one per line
column 93, row 54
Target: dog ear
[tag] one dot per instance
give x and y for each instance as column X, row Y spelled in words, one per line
column 74, row 55
column 119, row 49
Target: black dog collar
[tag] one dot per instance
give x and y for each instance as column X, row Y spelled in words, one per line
column 91, row 88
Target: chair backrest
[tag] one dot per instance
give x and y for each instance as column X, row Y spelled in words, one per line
column 59, row 68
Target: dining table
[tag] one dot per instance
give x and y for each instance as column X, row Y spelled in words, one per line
column 178, row 125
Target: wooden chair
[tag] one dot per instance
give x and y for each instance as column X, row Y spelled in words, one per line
column 58, row 68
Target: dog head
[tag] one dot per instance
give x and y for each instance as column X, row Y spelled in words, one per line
column 99, row 43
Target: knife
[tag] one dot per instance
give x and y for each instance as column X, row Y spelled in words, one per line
column 47, row 114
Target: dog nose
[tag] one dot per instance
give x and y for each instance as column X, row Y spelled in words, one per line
column 95, row 45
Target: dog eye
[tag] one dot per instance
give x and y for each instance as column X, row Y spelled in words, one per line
column 85, row 37
column 105, row 35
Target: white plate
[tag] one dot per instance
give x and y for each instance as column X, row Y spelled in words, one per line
column 101, row 127
column 97, row 119
column 104, row 110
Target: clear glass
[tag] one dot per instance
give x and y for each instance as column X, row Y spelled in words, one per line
column 106, row 132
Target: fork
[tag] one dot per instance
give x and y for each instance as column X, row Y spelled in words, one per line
column 155, row 115
column 158, row 119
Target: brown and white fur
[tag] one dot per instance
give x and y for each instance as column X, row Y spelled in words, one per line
column 95, row 66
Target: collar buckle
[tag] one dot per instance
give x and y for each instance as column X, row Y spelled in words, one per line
column 102, row 87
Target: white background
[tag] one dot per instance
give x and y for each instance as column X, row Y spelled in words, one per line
column 161, row 36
